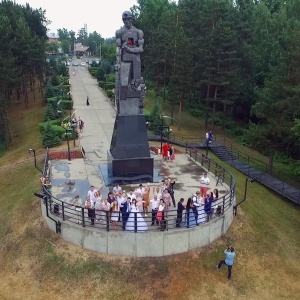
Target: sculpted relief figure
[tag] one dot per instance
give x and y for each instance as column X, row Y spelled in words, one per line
column 130, row 42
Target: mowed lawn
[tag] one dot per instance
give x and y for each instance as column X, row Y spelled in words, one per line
column 37, row 264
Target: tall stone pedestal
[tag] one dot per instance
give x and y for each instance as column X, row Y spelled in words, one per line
column 129, row 155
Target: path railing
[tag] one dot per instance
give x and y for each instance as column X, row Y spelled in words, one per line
column 57, row 209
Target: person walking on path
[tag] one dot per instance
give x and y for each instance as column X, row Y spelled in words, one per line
column 230, row 254
column 80, row 124
column 87, row 101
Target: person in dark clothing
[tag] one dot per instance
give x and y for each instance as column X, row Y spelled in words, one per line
column 180, row 208
column 207, row 206
column 87, row 101
column 171, row 190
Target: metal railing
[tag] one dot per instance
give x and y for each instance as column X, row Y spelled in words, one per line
column 57, row 209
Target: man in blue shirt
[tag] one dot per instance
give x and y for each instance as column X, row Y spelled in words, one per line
column 230, row 254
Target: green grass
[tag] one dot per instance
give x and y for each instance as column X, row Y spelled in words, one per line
column 265, row 234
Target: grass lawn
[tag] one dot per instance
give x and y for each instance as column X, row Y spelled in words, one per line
column 38, row 264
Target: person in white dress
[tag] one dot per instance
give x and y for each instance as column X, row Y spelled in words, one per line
column 98, row 204
column 138, row 224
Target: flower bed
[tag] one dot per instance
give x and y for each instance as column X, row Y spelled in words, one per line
column 64, row 154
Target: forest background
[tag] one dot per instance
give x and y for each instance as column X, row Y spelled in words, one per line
column 235, row 64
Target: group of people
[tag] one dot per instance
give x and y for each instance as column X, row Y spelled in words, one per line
column 131, row 207
column 168, row 152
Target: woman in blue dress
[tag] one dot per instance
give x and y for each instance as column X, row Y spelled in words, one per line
column 207, row 206
column 190, row 219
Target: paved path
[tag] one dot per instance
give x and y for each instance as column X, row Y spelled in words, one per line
column 75, row 177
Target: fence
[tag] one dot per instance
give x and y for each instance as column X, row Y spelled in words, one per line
column 57, row 209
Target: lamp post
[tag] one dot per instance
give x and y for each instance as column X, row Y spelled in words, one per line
column 67, row 133
column 34, row 156
column 162, row 127
column 250, row 180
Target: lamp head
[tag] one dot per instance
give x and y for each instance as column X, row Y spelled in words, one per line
column 31, row 150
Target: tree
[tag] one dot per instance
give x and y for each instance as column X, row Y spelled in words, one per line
column 49, row 137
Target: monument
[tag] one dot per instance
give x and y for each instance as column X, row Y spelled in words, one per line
column 129, row 155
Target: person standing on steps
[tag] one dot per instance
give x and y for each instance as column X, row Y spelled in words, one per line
column 87, row 101
column 230, row 254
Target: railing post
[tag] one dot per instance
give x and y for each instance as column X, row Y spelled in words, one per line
column 208, row 164
column 135, row 222
column 107, row 221
column 82, row 216
column 63, row 210
column 223, row 205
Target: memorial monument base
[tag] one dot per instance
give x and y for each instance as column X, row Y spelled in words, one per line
column 129, row 157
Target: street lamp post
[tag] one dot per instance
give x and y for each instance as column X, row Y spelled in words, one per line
column 250, row 180
column 162, row 127
column 34, row 156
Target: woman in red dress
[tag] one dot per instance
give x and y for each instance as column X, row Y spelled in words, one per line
column 165, row 151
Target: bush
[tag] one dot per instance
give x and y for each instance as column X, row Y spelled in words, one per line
column 49, row 113
column 55, row 80
column 43, row 125
column 295, row 168
column 100, row 75
column 155, row 120
column 147, row 115
column 109, row 93
column 110, row 85
column 111, row 77
column 58, row 130
column 49, row 137
column 196, row 112
column 101, row 84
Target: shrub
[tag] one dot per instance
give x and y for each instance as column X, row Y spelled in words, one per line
column 101, row 84
column 196, row 112
column 109, row 93
column 43, row 125
column 100, row 75
column 110, row 85
column 59, row 131
column 295, row 168
column 111, row 77
column 49, row 113
column 155, row 120
column 49, row 137
column 55, row 80
column 147, row 115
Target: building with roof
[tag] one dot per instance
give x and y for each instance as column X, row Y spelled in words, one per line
column 81, row 50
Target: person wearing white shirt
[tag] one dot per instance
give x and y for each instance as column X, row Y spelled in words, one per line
column 154, row 206
column 131, row 195
column 117, row 189
column 91, row 195
column 204, row 184
column 140, row 190
column 157, row 192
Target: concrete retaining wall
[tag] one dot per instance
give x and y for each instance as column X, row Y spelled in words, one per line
column 147, row 244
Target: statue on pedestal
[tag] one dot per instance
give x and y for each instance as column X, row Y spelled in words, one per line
column 130, row 42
